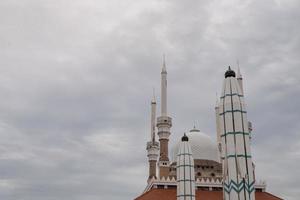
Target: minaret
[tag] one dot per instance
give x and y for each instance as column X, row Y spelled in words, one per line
column 164, row 89
column 238, row 176
column 152, row 146
column 164, row 124
column 239, row 77
column 185, row 171
column 218, row 129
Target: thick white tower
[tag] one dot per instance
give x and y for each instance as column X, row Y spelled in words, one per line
column 164, row 123
column 152, row 146
column 185, row 171
column 236, row 155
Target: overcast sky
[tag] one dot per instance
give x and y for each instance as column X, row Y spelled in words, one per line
column 76, row 79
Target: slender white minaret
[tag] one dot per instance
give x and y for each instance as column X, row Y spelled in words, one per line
column 164, row 123
column 153, row 116
column 238, row 179
column 152, row 145
column 164, row 89
column 239, row 77
column 218, row 128
column 185, row 171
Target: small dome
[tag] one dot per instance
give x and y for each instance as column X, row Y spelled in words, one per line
column 203, row 147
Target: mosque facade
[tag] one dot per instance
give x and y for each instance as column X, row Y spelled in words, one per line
column 198, row 167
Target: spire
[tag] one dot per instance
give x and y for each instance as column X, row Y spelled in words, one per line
column 153, row 97
column 239, row 75
column 217, row 101
column 164, row 89
column 153, row 115
column 240, row 78
column 164, row 68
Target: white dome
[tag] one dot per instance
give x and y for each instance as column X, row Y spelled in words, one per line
column 203, row 147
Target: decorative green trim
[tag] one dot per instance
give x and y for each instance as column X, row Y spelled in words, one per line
column 232, row 111
column 188, row 154
column 235, row 133
column 238, row 187
column 233, row 94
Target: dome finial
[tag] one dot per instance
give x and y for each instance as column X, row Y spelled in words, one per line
column 184, row 138
column 194, row 129
column 229, row 73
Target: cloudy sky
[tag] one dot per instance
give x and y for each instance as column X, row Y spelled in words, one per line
column 76, row 78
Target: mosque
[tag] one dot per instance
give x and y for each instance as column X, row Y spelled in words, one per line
column 199, row 167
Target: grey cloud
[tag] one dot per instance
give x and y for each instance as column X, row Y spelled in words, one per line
column 76, row 79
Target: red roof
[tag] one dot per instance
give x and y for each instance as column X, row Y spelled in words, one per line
column 170, row 194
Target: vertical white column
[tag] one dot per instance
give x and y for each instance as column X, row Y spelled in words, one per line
column 153, row 116
column 218, row 129
column 237, row 161
column 152, row 145
column 164, row 123
column 164, row 90
column 185, row 171
column 240, row 80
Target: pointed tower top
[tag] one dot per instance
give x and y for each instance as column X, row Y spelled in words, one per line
column 153, row 98
column 229, row 73
column 184, row 138
column 239, row 75
column 217, row 100
column 164, row 68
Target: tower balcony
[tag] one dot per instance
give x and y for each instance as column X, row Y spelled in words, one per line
column 152, row 150
column 164, row 121
column 151, row 145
